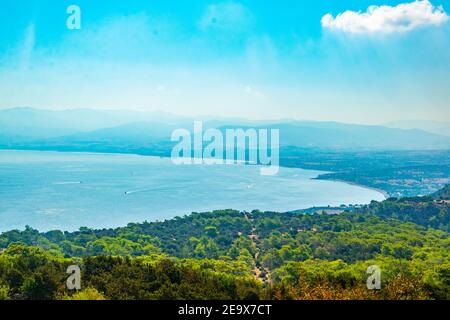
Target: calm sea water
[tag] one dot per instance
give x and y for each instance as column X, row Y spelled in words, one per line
column 50, row 190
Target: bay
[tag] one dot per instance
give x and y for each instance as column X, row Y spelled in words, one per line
column 66, row 191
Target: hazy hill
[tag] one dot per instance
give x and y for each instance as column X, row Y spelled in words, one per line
column 443, row 193
column 29, row 124
column 437, row 127
column 136, row 132
column 333, row 135
column 22, row 126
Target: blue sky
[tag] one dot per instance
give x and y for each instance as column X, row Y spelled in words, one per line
column 321, row 60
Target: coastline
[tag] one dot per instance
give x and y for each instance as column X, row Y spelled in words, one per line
column 384, row 193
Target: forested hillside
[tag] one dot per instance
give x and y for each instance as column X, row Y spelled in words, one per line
column 236, row 255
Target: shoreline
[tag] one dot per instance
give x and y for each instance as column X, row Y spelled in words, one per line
column 384, row 193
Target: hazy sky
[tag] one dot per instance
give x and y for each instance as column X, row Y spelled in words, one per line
column 352, row 61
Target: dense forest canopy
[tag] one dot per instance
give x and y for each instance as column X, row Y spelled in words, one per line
column 229, row 254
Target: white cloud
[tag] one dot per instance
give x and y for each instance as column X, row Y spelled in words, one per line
column 386, row 19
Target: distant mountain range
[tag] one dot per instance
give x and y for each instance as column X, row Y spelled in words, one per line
column 29, row 123
column 442, row 128
column 334, row 135
column 22, row 127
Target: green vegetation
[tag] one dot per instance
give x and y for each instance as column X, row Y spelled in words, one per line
column 233, row 255
column 85, row 294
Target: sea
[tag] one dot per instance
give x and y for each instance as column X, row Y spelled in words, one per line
column 66, row 191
